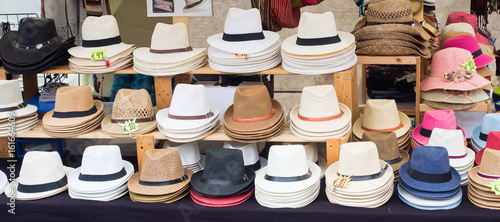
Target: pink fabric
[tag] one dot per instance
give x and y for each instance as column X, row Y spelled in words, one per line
column 470, row 43
column 493, row 142
column 456, row 17
column 220, row 201
column 448, row 60
column 482, row 39
column 443, row 119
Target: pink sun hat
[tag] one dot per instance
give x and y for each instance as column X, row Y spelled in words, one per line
column 493, row 142
column 220, row 201
column 453, row 69
column 442, row 119
column 459, row 17
column 470, row 43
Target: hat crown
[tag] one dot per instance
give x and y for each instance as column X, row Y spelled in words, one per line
column 240, row 21
column 430, row 160
column 11, row 92
column 160, row 165
column 319, row 101
column 311, row 152
column 97, row 28
column 417, row 8
column 449, row 59
column 73, row 98
column 359, row 159
column 452, row 140
column 189, row 100
column 394, row 11
column 249, row 151
column 467, row 42
column 386, row 143
column 287, row 161
column 491, row 122
column 168, row 37
column 101, row 160
column 493, row 141
column 458, row 27
column 224, row 164
column 132, row 103
column 32, row 31
column 443, row 119
column 381, row 114
column 190, row 152
column 40, row 167
column 459, row 17
column 252, row 102
column 490, row 163
column 315, row 25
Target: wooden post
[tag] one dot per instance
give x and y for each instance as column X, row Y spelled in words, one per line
column 333, row 149
column 143, row 143
column 183, row 78
column 343, row 84
column 363, row 83
column 163, row 89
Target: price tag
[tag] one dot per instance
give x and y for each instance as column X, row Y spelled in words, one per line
column 341, row 182
column 129, row 126
column 238, row 55
column 495, row 186
column 98, row 54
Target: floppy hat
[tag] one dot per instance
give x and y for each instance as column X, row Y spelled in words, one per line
column 469, row 43
column 458, row 27
column 190, row 154
column 192, row 5
column 456, row 106
column 453, row 69
column 12, row 100
column 454, row 97
column 102, row 170
column 243, row 33
column 224, row 175
column 492, row 143
column 42, row 175
column 443, row 119
column 317, row 34
column 99, row 33
column 452, row 140
column 379, row 115
column 130, row 105
column 490, row 122
column 387, row 147
column 250, row 153
column 161, row 173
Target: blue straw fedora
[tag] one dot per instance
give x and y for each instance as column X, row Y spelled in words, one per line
column 491, row 122
column 429, row 170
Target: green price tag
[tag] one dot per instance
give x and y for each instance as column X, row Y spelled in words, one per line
column 129, row 126
column 469, row 65
column 495, row 186
column 98, row 54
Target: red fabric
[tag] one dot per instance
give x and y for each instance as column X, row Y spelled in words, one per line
column 220, row 201
column 283, row 13
column 493, row 142
column 456, row 17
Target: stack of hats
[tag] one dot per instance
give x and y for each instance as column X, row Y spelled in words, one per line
column 433, row 119
column 493, row 144
column 318, row 48
column 417, row 7
column 170, row 52
column 190, row 154
column 429, row 7
column 320, row 116
column 35, row 47
column 464, row 17
column 480, row 133
column 14, row 110
column 428, row 182
column 254, row 116
column 42, row 175
column 243, row 47
column 389, row 29
column 250, row 152
column 383, row 115
column 133, row 114
column 102, row 50
column 3, row 181
column 391, row 82
column 161, row 179
column 289, row 180
column 225, row 181
column 75, row 113
column 190, row 116
column 103, row 175
column 312, row 156
column 453, row 30
column 453, row 82
column 483, row 189
column 461, row 157
column 388, row 151
column 359, row 178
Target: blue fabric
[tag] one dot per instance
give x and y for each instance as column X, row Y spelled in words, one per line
column 133, row 81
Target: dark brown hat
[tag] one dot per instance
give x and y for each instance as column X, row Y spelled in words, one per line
column 387, row 147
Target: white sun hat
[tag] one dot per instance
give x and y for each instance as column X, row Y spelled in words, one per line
column 460, row 155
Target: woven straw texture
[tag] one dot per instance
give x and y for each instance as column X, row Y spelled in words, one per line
column 130, row 104
column 389, row 11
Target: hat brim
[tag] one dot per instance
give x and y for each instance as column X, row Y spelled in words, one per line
column 180, row 70
column 183, row 125
column 101, row 63
column 244, row 47
column 416, row 202
column 417, row 30
column 389, row 50
column 135, row 187
column 38, row 195
column 428, row 195
column 288, row 187
column 434, row 82
column 430, row 28
column 439, row 96
column 358, row 131
column 49, row 120
column 465, row 161
column 102, row 199
column 101, row 70
column 217, row 54
column 241, row 68
column 289, row 45
column 422, row 140
column 220, row 190
column 144, row 54
column 483, row 60
column 406, row 158
column 482, row 203
column 379, row 200
column 60, row 60
column 422, row 49
column 81, row 186
column 220, row 201
column 452, row 184
column 194, row 138
column 452, row 106
column 253, row 126
column 145, row 65
column 111, row 50
column 485, row 72
column 363, row 36
column 322, row 126
column 290, row 68
column 115, row 130
column 170, row 198
column 302, row 135
column 29, row 109
column 192, row 7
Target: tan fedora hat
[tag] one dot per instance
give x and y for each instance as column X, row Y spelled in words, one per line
column 169, row 198
column 488, row 171
column 387, row 148
column 380, row 115
column 130, row 105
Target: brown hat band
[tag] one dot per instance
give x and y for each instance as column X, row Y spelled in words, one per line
column 387, row 129
column 142, row 120
column 256, row 118
column 321, row 118
column 205, row 116
column 159, row 51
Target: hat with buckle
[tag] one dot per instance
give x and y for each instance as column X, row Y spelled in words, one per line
column 460, row 155
column 443, row 119
column 12, row 101
column 491, row 122
column 387, row 148
column 250, row 152
column 493, row 142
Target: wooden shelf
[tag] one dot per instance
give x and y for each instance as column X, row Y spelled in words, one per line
column 387, row 60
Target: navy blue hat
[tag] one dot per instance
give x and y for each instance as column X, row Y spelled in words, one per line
column 429, row 170
column 428, row 195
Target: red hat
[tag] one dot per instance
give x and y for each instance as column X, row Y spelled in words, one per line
column 220, row 201
column 493, row 142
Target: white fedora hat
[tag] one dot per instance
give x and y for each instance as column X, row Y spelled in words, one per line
column 243, row 33
column 317, row 34
column 188, row 110
column 312, row 156
column 102, row 170
column 288, row 170
column 12, row 100
column 42, row 175
column 169, row 44
column 3, row 181
column 320, row 110
column 109, row 197
column 190, row 152
column 452, row 140
column 100, row 33
column 250, row 152
column 86, row 63
column 381, row 115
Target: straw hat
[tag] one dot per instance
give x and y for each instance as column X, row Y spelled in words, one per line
column 458, row 27
column 488, row 171
column 161, row 173
column 469, row 43
column 420, row 49
column 130, row 105
column 417, row 7
column 452, row 140
column 442, row 119
column 463, row 17
column 317, row 34
column 444, row 96
column 492, row 143
column 12, row 101
column 387, row 148
column 379, row 116
column 490, row 122
column 452, row 106
column 100, row 33
column 250, row 153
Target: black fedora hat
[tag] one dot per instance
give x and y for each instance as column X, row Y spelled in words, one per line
column 225, row 174
column 36, row 39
